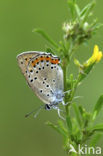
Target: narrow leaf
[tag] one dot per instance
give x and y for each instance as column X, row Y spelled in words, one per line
column 82, row 110
column 46, row 36
column 85, row 12
column 77, row 113
column 71, row 7
column 77, row 10
column 97, row 26
column 69, row 124
column 97, row 107
column 61, row 125
column 57, row 128
column 98, row 127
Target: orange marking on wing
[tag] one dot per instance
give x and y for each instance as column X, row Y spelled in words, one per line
column 47, row 58
column 54, row 61
column 42, row 58
column 33, row 63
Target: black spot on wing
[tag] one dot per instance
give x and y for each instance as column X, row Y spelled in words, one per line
column 31, row 80
column 35, row 78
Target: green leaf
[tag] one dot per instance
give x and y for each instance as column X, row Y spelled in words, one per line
column 61, row 125
column 81, row 109
column 71, row 80
column 84, row 72
column 98, row 127
column 97, row 107
column 77, row 11
column 46, row 37
column 97, row 26
column 77, row 113
column 76, row 131
column 69, row 124
column 86, row 11
column 49, row 50
column 71, row 7
column 74, row 8
column 57, row 128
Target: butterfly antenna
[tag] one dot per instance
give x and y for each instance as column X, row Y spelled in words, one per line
column 37, row 110
column 37, row 113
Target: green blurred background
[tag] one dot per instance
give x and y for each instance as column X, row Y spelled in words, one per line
column 29, row 137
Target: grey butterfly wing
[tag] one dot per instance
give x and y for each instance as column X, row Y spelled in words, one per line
column 23, row 60
column 46, row 79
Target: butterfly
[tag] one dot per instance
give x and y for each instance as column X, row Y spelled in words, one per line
column 44, row 76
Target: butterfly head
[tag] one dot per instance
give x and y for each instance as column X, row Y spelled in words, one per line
column 47, row 107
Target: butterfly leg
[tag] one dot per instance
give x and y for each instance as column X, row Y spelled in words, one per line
column 61, row 117
column 76, row 97
column 64, row 104
column 58, row 110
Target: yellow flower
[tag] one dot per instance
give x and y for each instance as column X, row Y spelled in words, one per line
column 96, row 57
column 99, row 56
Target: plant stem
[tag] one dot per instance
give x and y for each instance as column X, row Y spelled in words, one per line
column 65, row 83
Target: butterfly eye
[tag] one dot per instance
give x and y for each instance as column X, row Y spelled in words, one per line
column 47, row 107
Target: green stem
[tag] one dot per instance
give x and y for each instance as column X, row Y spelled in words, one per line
column 75, row 87
column 65, row 83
